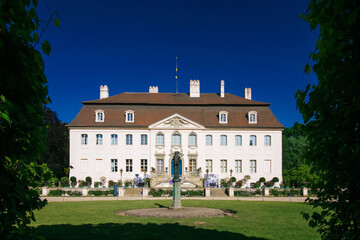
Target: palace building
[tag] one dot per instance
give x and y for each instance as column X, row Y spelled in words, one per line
column 135, row 135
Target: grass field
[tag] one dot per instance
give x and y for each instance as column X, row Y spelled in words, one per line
column 96, row 220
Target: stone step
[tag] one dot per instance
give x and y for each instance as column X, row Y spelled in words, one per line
column 218, row 192
column 133, row 192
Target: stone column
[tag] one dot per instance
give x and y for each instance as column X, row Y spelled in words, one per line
column 121, row 191
column 266, row 192
column 305, row 192
column 176, row 194
column 44, row 191
column 84, row 191
column 145, row 192
column 207, row 192
column 231, row 191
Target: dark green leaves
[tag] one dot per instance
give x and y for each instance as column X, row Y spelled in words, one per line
column 57, row 22
column 46, row 47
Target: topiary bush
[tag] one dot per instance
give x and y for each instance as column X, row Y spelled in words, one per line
column 73, row 181
column 262, row 180
column 56, row 192
column 239, row 183
column 64, row 181
column 111, row 183
column 88, row 181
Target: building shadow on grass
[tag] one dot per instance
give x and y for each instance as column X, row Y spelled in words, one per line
column 135, row 231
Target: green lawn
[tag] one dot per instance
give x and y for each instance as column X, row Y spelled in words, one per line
column 95, row 220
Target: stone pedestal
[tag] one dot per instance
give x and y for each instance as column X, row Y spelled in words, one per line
column 121, row 192
column 266, row 192
column 44, row 191
column 176, row 194
column 85, row 191
column 207, row 192
column 231, row 191
column 305, row 192
column 145, row 192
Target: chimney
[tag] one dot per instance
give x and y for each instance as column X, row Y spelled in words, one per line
column 153, row 89
column 248, row 93
column 194, row 88
column 104, row 91
column 222, row 88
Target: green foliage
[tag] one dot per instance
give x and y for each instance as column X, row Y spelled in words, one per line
column 23, row 92
column 56, row 192
column 294, row 144
column 74, row 193
column 239, row 183
column 64, row 181
column 96, row 184
column 262, row 180
column 275, row 179
column 88, row 180
column 119, row 183
column 156, row 192
column 73, row 181
column 330, row 111
column 101, row 192
column 111, row 183
column 233, row 179
column 81, row 183
column 299, row 178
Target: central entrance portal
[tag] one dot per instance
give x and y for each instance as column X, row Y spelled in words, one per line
column 172, row 168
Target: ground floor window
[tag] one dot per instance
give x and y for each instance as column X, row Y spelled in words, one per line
column 192, row 165
column 160, row 165
column 129, row 165
column 143, row 165
column 223, row 166
column 253, row 166
column 209, row 165
column 238, row 166
column 114, row 165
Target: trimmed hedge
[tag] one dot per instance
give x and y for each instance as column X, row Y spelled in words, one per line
column 101, row 192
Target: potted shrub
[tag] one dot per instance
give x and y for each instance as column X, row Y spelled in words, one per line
column 96, row 184
column 262, row 180
column 119, row 183
column 88, row 181
column 246, row 178
column 81, row 183
column 111, row 184
column 65, row 182
column 275, row 180
column 73, row 181
column 239, row 183
column 147, row 182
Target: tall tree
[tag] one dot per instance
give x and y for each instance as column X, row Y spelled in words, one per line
column 293, row 147
column 23, row 92
column 56, row 154
column 331, row 111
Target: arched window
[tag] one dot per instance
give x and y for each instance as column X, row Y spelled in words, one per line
column 143, row 139
column 267, row 140
column 192, row 139
column 160, row 139
column 84, row 139
column 252, row 140
column 176, row 139
column 209, row 140
column 238, row 140
column 223, row 140
column 99, row 139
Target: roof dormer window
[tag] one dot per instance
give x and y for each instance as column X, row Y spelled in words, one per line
column 223, row 117
column 252, row 117
column 129, row 116
column 99, row 116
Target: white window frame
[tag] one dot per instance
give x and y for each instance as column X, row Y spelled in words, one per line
column 129, row 139
column 238, row 140
column 129, row 116
column 267, row 140
column 252, row 116
column 114, row 139
column 223, row 117
column 209, row 165
column 192, row 165
column 238, row 166
column 253, row 166
column 129, row 165
column 172, row 139
column 252, row 141
column 99, row 115
column 223, row 140
column 84, row 139
column 144, row 139
column 143, row 165
column 192, row 142
column 160, row 164
column 114, row 165
column 223, row 166
column 99, row 139
column 160, row 138
column 209, row 140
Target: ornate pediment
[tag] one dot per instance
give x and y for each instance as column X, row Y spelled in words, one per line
column 176, row 121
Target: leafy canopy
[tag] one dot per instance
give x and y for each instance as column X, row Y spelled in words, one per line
column 331, row 111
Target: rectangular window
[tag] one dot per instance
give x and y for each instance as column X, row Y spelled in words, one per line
column 160, row 165
column 253, row 166
column 209, row 165
column 238, row 166
column 160, row 140
column 129, row 139
column 223, row 166
column 208, row 140
column 192, row 165
column 176, row 140
column 192, row 140
column 114, row 139
column 114, row 165
column 130, row 117
column 267, row 166
column 84, row 139
column 129, row 165
column 223, row 140
column 144, row 139
column 238, row 140
column 267, row 140
column 143, row 165
column 252, row 140
column 99, row 139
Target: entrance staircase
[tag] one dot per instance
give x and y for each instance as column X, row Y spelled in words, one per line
column 133, row 192
column 217, row 192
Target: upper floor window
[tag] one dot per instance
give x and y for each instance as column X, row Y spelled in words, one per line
column 114, row 139
column 267, row 140
column 208, row 140
column 129, row 116
column 252, row 115
column 223, row 117
column 223, row 140
column 143, row 139
column 253, row 166
column 114, row 165
column 223, row 166
column 238, row 140
column 84, row 139
column 99, row 116
column 176, row 139
column 192, row 139
column 160, row 139
column 252, row 140
column 99, row 139
column 129, row 139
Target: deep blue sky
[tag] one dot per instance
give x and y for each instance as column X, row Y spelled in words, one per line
column 130, row 45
